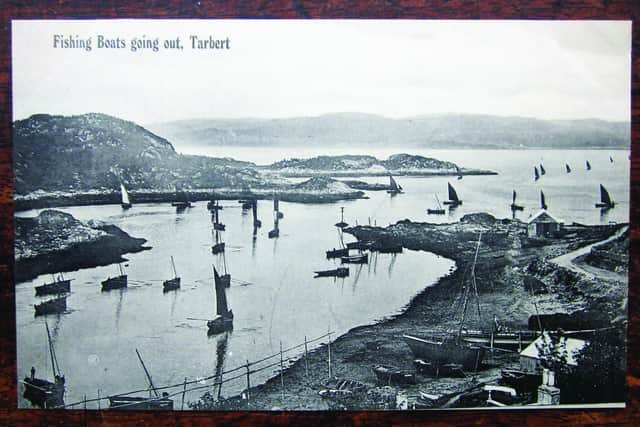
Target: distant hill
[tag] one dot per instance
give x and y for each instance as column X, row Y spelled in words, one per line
column 96, row 151
column 429, row 131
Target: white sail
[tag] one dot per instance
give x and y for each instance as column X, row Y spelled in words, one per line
column 125, row 195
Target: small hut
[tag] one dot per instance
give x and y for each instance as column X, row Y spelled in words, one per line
column 568, row 349
column 543, row 224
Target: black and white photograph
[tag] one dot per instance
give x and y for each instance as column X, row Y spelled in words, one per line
column 313, row 215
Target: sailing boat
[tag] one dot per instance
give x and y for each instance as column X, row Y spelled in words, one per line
column 588, row 165
column 125, row 203
column 224, row 317
column 611, row 159
column 458, row 172
column 142, row 403
column 542, row 171
column 115, row 282
column 515, row 207
column 536, row 174
column 59, row 285
column 51, row 306
column 218, row 246
column 342, row 251
column 254, row 206
column 605, row 199
column 44, row 393
column 567, row 168
column 171, row 284
column 448, row 348
column 217, row 225
column 543, row 203
column 394, row 188
column 276, row 218
column 276, row 207
column 439, row 210
column 453, row 197
column 341, row 224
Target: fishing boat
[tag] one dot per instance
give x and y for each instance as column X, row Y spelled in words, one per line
column 536, row 174
column 275, row 232
column 60, row 285
column 587, row 165
column 543, row 203
column 224, row 317
column 135, row 403
column 214, row 205
column 453, row 197
column 117, row 282
column 171, row 284
column 217, row 225
column 254, row 206
column 44, row 393
column 125, row 201
column 458, row 172
column 341, row 224
column 514, row 206
column 542, row 171
column 389, row 375
column 338, row 272
column 342, row 251
column 605, row 199
column 394, row 188
column 182, row 201
column 51, row 306
column 567, row 168
column 355, row 259
column 516, row 340
column 276, row 208
column 446, row 348
column 439, row 210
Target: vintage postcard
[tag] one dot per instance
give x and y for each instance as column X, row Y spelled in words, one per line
column 321, row 215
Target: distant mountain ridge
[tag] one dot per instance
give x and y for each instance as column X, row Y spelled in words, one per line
column 428, row 131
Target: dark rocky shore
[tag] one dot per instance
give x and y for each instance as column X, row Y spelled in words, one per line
column 55, row 241
column 509, row 265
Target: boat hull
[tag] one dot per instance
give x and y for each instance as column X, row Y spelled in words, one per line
column 225, row 280
column 505, row 341
column 217, row 248
column 171, row 284
column 52, row 306
column 44, row 394
column 219, row 226
column 435, row 211
column 388, row 375
column 337, row 253
column 452, row 203
column 115, row 283
column 359, row 245
column 59, row 287
column 273, row 233
column 220, row 324
column 446, row 351
column 355, row 259
column 605, row 205
column 338, row 272
column 140, row 403
column 125, row 205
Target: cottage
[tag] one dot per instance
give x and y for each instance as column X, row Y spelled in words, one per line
column 543, row 224
column 567, row 350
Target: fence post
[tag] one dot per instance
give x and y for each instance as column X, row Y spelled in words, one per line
column 248, row 382
column 85, row 402
column 329, row 351
column 184, row 390
column 281, row 371
column 220, row 386
column 306, row 362
column 98, row 398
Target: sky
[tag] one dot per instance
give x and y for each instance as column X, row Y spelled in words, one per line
column 293, row 68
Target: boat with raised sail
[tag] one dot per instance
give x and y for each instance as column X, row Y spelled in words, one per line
column 254, row 207
column 217, row 225
column 458, row 172
column 341, row 224
column 275, row 232
column 587, row 165
column 439, row 210
column 44, row 393
column 514, row 206
column 171, row 284
column 60, row 285
column 51, row 306
column 125, row 201
column 453, row 197
column 116, row 282
column 443, row 348
column 567, row 168
column 394, row 188
column 276, row 207
column 605, row 199
column 536, row 174
column 139, row 403
column 542, row 171
column 543, row 202
column 224, row 317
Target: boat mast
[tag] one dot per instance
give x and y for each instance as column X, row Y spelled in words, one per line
column 52, row 353
column 466, row 290
column 438, row 202
column 147, row 373
column 121, row 270
column 174, row 267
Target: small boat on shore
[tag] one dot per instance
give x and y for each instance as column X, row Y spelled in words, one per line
column 338, row 272
column 389, row 375
column 171, row 284
column 536, row 174
column 44, row 393
column 224, row 317
column 60, row 285
column 439, row 210
column 543, row 202
column 341, row 224
column 355, row 259
column 51, row 306
column 514, row 206
column 453, row 197
column 605, row 199
column 394, row 188
column 117, row 282
column 125, row 202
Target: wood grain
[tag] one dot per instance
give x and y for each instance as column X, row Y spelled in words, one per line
column 401, row 9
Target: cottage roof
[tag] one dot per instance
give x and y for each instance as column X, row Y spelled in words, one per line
column 542, row 217
column 569, row 348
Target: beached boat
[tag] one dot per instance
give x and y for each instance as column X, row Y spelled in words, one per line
column 51, row 306
column 439, row 210
column 341, row 224
column 224, row 317
column 60, row 285
column 355, row 259
column 44, row 393
column 115, row 282
column 567, row 168
column 338, row 272
column 536, row 174
column 514, row 206
column 605, row 199
column 389, row 375
column 453, row 197
column 448, row 347
column 125, row 202
column 587, row 165
column 394, row 188
column 542, row 171
column 171, row 284
column 543, row 202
